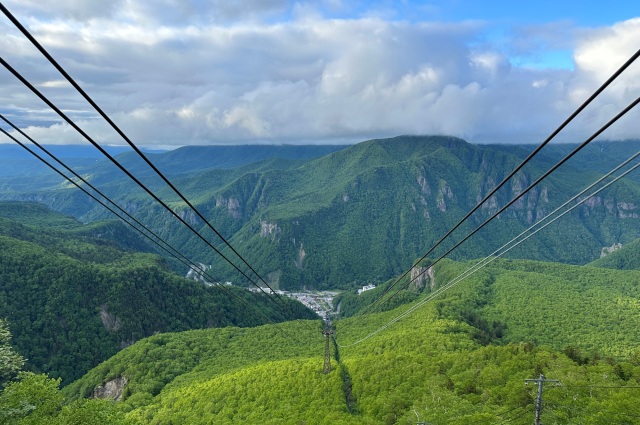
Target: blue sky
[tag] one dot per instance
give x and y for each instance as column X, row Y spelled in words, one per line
column 503, row 12
column 176, row 72
column 501, row 18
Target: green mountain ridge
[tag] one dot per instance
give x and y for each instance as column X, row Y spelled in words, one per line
column 380, row 210
column 382, row 201
column 75, row 294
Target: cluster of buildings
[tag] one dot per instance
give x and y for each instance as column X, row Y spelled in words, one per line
column 366, row 288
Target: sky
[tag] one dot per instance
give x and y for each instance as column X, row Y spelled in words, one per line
column 191, row 72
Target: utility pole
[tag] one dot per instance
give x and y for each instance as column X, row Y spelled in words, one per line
column 327, row 350
column 541, row 380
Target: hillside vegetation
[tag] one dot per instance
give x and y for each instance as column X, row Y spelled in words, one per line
column 625, row 258
column 382, row 201
column 76, row 294
column 461, row 358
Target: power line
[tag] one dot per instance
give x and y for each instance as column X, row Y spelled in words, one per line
column 149, row 163
column 124, row 136
column 486, row 261
column 581, row 411
column 164, row 246
column 595, row 94
column 624, row 163
column 70, row 79
column 83, row 180
column 518, row 416
column 602, row 386
column 535, row 183
column 497, row 254
column 131, row 176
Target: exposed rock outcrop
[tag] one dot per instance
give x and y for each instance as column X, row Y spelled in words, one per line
column 609, row 249
column 424, row 185
column 232, row 205
column 421, row 276
column 301, row 255
column 110, row 321
column 111, row 389
column 269, row 229
column 444, row 193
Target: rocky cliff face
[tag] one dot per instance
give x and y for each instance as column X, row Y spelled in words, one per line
column 420, row 277
column 231, row 204
column 110, row 321
column 112, row 389
column 379, row 214
column 366, row 212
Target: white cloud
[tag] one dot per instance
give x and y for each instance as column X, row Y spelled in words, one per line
column 177, row 74
column 71, row 9
column 599, row 53
column 163, row 12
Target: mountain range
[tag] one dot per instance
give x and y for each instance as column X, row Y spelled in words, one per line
column 91, row 304
column 383, row 203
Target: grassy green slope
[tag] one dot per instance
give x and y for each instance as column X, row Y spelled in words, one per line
column 436, row 365
column 591, row 309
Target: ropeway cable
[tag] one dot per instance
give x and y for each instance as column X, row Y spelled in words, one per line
column 595, row 94
column 129, row 142
column 166, row 247
column 498, row 253
column 131, row 176
column 535, row 183
column 478, row 266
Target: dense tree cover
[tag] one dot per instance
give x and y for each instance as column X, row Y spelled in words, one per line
column 197, row 355
column 10, row 361
column 36, row 399
column 529, row 301
column 626, row 258
column 593, row 310
column 263, row 393
column 486, row 386
column 99, row 241
column 461, row 358
column 609, row 153
column 382, row 201
column 74, row 300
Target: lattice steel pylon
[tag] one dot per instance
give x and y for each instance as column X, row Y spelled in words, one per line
column 327, row 350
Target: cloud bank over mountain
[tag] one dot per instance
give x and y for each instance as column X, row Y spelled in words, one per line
column 179, row 73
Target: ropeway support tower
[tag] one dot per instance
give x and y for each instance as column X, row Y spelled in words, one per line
column 327, row 350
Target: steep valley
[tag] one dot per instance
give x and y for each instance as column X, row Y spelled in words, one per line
column 382, row 202
column 101, row 316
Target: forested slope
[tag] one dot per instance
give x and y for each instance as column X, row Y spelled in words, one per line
column 461, row 358
column 625, row 258
column 383, row 202
column 583, row 309
column 74, row 296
